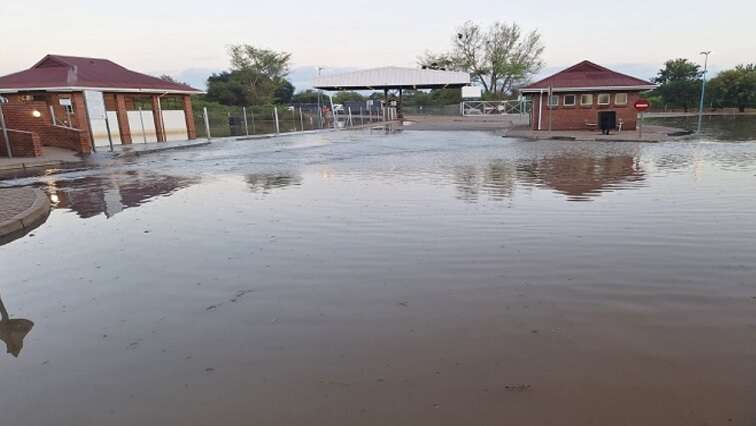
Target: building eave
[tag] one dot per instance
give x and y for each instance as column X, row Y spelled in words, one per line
column 102, row 89
column 589, row 89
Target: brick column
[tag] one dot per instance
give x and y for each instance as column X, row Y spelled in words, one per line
column 123, row 119
column 80, row 120
column 158, row 118
column 191, row 131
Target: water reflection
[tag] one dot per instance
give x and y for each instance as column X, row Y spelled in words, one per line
column 579, row 177
column 265, row 182
column 582, row 177
column 111, row 194
column 13, row 331
column 497, row 180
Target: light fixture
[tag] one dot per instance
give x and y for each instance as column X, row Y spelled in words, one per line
column 36, row 113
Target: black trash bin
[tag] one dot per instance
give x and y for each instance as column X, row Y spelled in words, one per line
column 607, row 121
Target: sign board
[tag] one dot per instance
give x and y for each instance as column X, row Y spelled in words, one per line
column 64, row 101
column 95, row 105
column 642, row 105
column 471, row 92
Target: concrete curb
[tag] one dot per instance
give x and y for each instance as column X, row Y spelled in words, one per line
column 32, row 166
column 157, row 149
column 24, row 222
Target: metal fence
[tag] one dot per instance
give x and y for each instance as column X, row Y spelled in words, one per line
column 437, row 110
column 518, row 107
column 216, row 122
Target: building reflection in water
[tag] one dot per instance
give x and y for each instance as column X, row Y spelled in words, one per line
column 580, row 178
column 266, row 182
column 91, row 195
column 13, row 331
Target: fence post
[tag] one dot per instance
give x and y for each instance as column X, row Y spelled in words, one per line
column 252, row 115
column 275, row 116
column 370, row 114
column 5, row 130
column 349, row 110
column 141, row 121
column 333, row 111
column 246, row 127
column 301, row 118
column 207, row 123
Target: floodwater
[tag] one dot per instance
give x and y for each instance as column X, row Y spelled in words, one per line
column 402, row 278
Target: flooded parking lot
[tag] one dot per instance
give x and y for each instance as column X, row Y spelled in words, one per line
column 401, row 278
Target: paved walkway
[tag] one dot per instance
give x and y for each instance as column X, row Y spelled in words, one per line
column 651, row 133
column 21, row 210
column 52, row 157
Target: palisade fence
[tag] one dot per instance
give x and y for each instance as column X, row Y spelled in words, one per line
column 437, row 110
column 268, row 120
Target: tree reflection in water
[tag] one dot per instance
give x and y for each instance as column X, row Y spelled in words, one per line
column 13, row 331
column 265, row 182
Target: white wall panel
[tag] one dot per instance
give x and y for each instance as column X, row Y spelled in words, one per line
column 175, row 125
column 141, row 132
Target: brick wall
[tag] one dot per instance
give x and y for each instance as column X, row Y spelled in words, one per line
column 575, row 117
column 19, row 115
column 23, row 144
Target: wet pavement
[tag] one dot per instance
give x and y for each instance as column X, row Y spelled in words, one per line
column 403, row 278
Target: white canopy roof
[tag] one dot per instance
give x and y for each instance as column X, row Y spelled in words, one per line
column 392, row 78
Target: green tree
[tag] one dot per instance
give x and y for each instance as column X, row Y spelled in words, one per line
column 228, row 89
column 679, row 83
column 308, row 96
column 735, row 87
column 284, row 91
column 499, row 58
column 342, row 97
column 257, row 77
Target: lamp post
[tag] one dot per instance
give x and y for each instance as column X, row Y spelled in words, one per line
column 703, row 89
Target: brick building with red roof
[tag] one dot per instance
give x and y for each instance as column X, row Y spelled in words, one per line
column 575, row 98
column 85, row 103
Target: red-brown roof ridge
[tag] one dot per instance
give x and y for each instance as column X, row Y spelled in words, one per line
column 77, row 72
column 586, row 74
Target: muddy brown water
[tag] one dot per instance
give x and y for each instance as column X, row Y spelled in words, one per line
column 409, row 278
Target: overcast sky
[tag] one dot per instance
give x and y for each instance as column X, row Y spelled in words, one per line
column 189, row 38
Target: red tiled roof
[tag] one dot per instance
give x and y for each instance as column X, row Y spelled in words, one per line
column 59, row 72
column 587, row 75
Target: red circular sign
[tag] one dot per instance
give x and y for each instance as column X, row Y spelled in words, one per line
column 642, row 105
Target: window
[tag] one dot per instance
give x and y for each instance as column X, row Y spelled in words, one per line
column 554, row 100
column 604, row 99
column 569, row 100
column 586, row 100
column 620, row 99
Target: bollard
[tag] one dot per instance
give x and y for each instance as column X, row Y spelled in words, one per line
column 246, row 127
column 207, row 123
column 275, row 117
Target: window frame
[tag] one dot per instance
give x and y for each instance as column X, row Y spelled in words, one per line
column 608, row 99
column 548, row 101
column 586, row 104
column 574, row 100
column 621, row 103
